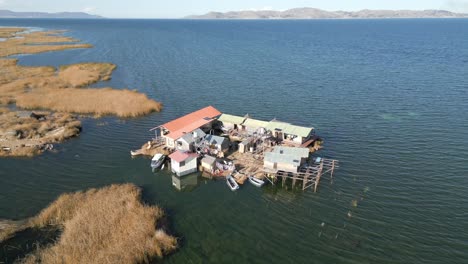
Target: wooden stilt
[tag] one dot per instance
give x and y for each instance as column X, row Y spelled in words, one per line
column 319, row 174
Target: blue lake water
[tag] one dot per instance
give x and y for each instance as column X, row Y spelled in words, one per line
column 390, row 98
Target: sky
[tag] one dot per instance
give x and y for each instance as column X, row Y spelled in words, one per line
column 181, row 8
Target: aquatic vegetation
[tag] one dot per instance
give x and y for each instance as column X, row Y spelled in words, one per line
column 103, row 101
column 9, row 32
column 62, row 90
column 107, row 225
column 35, row 42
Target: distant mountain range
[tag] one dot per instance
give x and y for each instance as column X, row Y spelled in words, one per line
column 314, row 13
column 11, row 14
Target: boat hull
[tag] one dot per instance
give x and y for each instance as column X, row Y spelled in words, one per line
column 231, row 183
column 256, row 182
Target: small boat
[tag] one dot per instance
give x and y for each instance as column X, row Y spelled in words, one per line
column 157, row 160
column 256, row 182
column 162, row 168
column 232, row 183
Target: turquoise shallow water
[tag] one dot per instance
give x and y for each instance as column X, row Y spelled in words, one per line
column 388, row 96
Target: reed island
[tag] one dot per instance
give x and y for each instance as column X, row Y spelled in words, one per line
column 39, row 105
column 108, row 225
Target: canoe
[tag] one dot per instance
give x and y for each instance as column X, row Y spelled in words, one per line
column 256, row 182
column 157, row 160
column 232, row 183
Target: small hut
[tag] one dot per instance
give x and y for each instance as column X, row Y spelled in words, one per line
column 208, row 163
column 245, row 145
column 183, row 163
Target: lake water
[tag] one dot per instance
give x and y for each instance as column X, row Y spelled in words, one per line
column 390, row 98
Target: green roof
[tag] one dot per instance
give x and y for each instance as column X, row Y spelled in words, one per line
column 226, row 118
column 249, row 122
column 290, row 129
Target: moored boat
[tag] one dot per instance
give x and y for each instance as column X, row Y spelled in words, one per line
column 232, row 183
column 256, row 182
column 157, row 160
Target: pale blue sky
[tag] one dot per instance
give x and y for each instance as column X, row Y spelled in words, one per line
column 180, row 8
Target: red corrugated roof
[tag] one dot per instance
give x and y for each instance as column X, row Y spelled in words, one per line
column 180, row 156
column 188, row 128
column 181, row 122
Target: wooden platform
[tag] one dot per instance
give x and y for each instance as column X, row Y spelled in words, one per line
column 309, row 176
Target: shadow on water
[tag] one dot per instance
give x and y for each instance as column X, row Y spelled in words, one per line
column 25, row 242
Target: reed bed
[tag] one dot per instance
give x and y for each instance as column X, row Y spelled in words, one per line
column 9, row 32
column 102, row 101
column 63, row 90
column 107, row 225
column 43, row 41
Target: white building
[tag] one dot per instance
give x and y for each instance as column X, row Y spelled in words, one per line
column 183, row 163
column 287, row 159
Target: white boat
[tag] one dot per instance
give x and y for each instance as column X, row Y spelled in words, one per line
column 157, row 160
column 232, row 183
column 256, row 182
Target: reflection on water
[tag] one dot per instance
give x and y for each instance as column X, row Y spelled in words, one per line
column 185, row 183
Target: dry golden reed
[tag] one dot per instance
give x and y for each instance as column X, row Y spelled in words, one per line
column 108, row 225
column 102, row 101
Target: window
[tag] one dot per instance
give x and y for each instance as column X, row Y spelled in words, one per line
column 182, row 163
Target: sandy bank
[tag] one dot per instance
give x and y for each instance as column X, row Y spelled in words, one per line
column 29, row 133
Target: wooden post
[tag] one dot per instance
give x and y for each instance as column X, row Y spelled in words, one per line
column 332, row 170
column 319, row 173
column 304, row 181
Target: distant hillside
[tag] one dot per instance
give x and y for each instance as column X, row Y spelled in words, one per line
column 314, row 13
column 11, row 14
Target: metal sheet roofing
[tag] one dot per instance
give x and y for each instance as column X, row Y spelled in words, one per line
column 274, row 157
column 209, row 160
column 226, row 118
column 290, row 129
column 208, row 112
column 188, row 128
column 180, row 156
column 249, row 122
column 297, row 152
column 190, row 137
column 215, row 139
